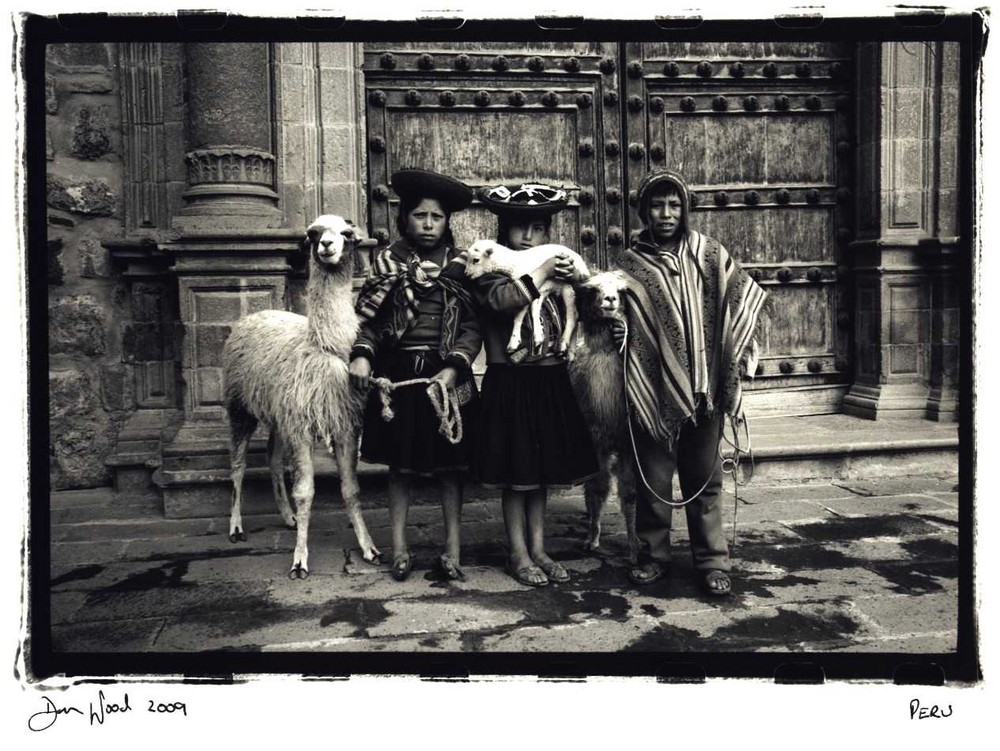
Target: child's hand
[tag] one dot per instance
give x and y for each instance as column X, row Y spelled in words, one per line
column 360, row 371
column 618, row 333
column 565, row 271
column 447, row 376
column 549, row 266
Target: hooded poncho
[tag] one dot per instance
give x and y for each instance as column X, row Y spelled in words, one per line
column 691, row 318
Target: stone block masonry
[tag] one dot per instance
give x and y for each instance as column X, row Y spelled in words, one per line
column 90, row 381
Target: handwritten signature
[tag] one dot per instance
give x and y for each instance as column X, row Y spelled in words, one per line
column 47, row 717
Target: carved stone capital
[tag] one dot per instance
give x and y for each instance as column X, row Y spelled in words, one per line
column 230, row 164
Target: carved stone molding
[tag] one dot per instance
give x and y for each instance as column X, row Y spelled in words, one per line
column 234, row 165
column 141, row 69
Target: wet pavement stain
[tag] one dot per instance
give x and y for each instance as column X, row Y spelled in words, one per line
column 596, row 603
column 432, row 641
column 256, row 612
column 167, row 575
column 931, row 548
column 80, row 573
column 208, row 555
column 545, row 606
column 787, row 626
column 798, row 557
column 666, row 638
column 652, row 610
column 908, row 580
column 859, row 527
column 756, row 586
column 358, row 612
column 940, row 520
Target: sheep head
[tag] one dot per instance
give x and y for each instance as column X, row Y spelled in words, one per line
column 332, row 240
column 478, row 257
column 601, row 295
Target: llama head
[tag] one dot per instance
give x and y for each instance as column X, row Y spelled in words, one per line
column 601, row 295
column 477, row 255
column 332, row 241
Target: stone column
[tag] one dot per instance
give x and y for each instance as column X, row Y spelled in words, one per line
column 947, row 285
column 896, row 260
column 230, row 254
column 231, row 165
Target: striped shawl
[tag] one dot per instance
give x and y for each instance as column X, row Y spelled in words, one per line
column 691, row 318
column 402, row 283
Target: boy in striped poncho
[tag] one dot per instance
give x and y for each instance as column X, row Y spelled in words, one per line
column 691, row 312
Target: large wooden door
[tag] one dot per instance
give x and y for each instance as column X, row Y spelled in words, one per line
column 500, row 113
column 762, row 134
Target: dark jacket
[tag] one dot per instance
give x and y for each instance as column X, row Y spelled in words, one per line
column 499, row 298
column 458, row 349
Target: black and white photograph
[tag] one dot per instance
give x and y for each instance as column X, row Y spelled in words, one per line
column 502, row 348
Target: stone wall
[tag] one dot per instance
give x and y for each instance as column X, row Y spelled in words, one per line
column 90, row 384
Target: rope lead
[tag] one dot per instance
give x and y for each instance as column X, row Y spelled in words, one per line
column 730, row 466
column 443, row 399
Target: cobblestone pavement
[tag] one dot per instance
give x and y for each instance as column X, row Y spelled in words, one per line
column 854, row 565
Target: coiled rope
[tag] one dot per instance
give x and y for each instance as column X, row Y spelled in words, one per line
column 730, row 465
column 443, row 399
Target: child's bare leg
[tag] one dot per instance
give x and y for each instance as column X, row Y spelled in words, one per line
column 512, row 502
column 399, row 505
column 451, row 505
column 535, row 516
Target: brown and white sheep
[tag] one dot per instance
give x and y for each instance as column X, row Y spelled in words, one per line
column 289, row 372
column 598, row 382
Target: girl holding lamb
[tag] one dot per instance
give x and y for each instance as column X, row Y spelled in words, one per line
column 532, row 435
column 419, row 321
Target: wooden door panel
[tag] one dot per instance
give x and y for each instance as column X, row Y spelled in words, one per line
column 762, row 133
column 799, row 236
column 501, row 113
column 500, row 145
column 742, row 51
column 802, row 324
column 798, row 149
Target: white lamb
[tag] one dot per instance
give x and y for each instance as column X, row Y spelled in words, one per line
column 487, row 256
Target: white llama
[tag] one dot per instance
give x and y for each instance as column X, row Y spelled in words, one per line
column 598, row 382
column 487, row 256
column 289, row 372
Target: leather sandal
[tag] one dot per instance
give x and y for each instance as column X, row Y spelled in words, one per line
column 402, row 564
column 716, row 583
column 647, row 573
column 521, row 576
column 447, row 567
column 555, row 571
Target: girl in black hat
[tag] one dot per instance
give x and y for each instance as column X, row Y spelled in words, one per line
column 531, row 436
column 418, row 321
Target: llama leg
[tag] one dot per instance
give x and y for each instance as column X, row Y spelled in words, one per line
column 242, row 425
column 346, row 452
column 566, row 342
column 276, row 461
column 303, row 490
column 595, row 495
column 515, row 334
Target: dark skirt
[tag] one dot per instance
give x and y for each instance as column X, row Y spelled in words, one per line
column 410, row 442
column 531, row 432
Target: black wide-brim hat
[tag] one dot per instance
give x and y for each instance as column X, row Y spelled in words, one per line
column 524, row 202
column 413, row 185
